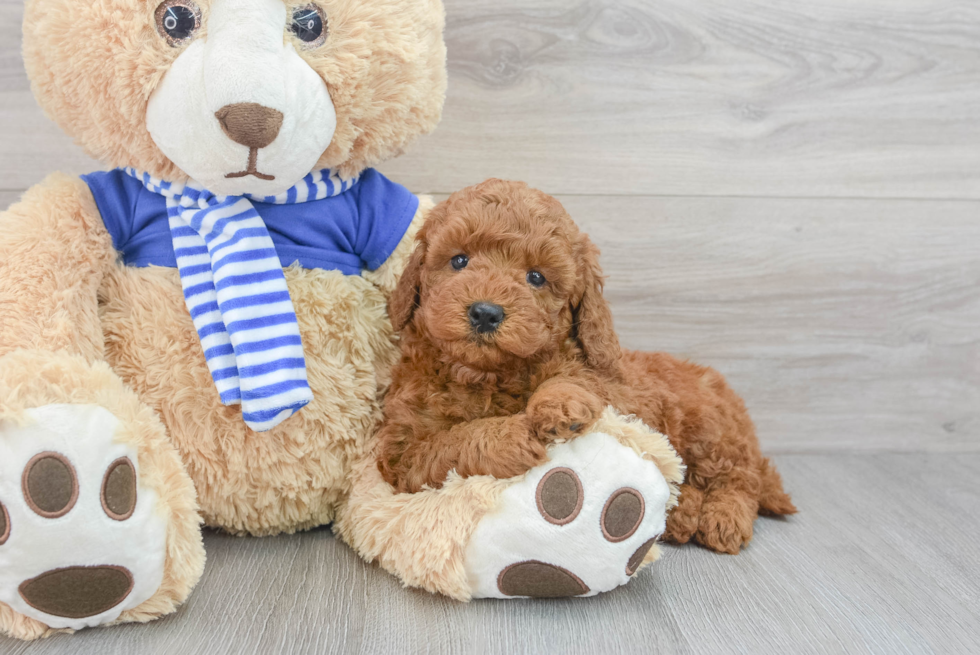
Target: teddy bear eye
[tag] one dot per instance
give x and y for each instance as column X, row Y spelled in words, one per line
column 535, row 279
column 309, row 25
column 459, row 262
column 177, row 20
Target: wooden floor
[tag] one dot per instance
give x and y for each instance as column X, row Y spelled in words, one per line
column 882, row 559
column 787, row 191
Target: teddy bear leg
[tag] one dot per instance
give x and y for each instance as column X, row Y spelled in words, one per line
column 98, row 520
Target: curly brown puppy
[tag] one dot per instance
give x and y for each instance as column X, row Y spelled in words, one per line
column 508, row 344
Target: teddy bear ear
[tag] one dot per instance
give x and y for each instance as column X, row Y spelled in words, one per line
column 406, row 297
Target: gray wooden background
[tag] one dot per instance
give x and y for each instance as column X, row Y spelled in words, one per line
column 789, row 191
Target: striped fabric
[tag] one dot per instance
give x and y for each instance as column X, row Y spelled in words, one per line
column 237, row 296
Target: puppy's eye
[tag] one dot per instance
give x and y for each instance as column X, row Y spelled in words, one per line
column 177, row 20
column 309, row 24
column 459, row 262
column 535, row 279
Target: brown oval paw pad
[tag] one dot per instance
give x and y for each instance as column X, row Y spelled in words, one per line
column 4, row 524
column 637, row 557
column 622, row 514
column 50, row 485
column 77, row 592
column 559, row 496
column 539, row 580
column 119, row 489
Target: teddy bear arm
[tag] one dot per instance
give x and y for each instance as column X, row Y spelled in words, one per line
column 54, row 253
column 386, row 276
column 544, row 533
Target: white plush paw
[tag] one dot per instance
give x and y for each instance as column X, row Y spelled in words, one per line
column 578, row 525
column 80, row 538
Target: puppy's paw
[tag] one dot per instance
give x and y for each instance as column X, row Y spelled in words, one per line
column 725, row 524
column 682, row 523
column 563, row 410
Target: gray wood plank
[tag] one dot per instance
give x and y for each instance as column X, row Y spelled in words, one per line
column 715, row 97
column 31, row 146
column 8, row 198
column 881, row 560
column 846, row 324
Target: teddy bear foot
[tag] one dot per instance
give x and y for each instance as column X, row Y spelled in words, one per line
column 581, row 524
column 81, row 536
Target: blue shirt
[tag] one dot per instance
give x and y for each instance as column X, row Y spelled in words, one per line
column 350, row 232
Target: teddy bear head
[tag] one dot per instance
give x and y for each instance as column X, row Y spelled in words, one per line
column 243, row 96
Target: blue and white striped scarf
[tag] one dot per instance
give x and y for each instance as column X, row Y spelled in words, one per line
column 237, row 296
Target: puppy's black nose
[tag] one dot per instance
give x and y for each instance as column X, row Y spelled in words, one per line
column 485, row 317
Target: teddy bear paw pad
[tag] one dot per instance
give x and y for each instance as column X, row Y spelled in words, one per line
column 81, row 540
column 578, row 525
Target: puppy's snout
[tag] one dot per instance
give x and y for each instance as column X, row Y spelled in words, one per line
column 485, row 317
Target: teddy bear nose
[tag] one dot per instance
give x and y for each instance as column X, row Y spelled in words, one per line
column 485, row 317
column 250, row 124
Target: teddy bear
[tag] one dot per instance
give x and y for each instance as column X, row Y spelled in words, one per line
column 199, row 335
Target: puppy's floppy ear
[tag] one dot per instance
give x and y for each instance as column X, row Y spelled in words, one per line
column 593, row 323
column 404, row 300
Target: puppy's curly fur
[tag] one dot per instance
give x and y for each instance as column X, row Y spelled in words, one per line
column 488, row 403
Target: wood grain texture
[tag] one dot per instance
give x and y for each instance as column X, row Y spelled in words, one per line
column 871, row 98
column 8, row 198
column 715, row 97
column 880, row 560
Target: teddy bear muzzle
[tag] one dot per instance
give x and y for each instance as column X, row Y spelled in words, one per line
column 254, row 127
column 239, row 111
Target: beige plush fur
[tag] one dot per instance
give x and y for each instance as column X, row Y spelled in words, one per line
column 291, row 477
column 384, row 66
column 64, row 297
column 122, row 336
column 33, row 378
column 54, row 254
column 422, row 537
column 93, row 65
column 72, row 295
